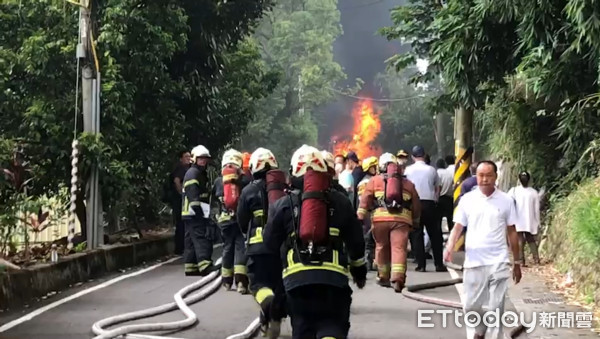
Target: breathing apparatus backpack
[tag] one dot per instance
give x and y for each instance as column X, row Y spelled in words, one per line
column 311, row 218
column 231, row 188
column 393, row 190
column 276, row 185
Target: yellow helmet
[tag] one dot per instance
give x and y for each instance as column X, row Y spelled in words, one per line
column 232, row 157
column 305, row 157
column 369, row 162
column 260, row 158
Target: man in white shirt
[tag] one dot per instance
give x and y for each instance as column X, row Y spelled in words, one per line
column 446, row 202
column 427, row 184
column 489, row 216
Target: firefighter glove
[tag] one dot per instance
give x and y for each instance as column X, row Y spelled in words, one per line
column 359, row 274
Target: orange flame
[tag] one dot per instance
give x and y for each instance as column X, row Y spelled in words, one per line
column 366, row 128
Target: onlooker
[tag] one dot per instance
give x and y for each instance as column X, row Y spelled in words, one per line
column 177, row 186
column 340, row 164
column 402, row 157
column 357, row 175
column 445, row 202
column 527, row 201
column 427, row 184
column 489, row 217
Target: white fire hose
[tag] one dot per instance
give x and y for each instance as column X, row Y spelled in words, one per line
column 214, row 278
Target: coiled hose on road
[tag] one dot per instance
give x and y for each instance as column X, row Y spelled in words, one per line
column 214, row 278
column 409, row 292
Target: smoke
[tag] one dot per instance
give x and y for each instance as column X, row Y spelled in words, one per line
column 362, row 52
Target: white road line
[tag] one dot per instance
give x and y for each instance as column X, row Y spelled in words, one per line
column 57, row 303
column 461, row 293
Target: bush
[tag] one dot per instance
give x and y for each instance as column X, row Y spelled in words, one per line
column 573, row 238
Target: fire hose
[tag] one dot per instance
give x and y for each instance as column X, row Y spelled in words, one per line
column 214, row 278
column 409, row 292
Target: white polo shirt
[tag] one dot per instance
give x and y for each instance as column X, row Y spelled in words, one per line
column 425, row 178
column 486, row 220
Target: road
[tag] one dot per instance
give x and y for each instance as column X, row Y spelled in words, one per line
column 376, row 312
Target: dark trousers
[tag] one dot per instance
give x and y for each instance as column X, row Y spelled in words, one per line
column 198, row 246
column 429, row 221
column 234, row 254
column 266, row 284
column 319, row 311
column 179, row 227
column 446, row 209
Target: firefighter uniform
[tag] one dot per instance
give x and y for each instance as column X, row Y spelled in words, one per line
column 318, row 295
column 367, row 230
column 199, row 235
column 233, row 263
column 390, row 228
column 264, row 267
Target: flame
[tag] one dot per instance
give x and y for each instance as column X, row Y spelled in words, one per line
column 366, row 128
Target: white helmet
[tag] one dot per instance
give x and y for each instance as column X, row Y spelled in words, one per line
column 233, row 157
column 260, row 158
column 199, row 151
column 305, row 157
column 329, row 159
column 385, row 159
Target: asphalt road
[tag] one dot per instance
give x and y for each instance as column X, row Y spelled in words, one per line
column 376, row 312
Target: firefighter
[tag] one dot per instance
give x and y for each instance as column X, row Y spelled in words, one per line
column 264, row 266
column 234, row 248
column 330, row 160
column 391, row 223
column 369, row 166
column 318, row 295
column 195, row 213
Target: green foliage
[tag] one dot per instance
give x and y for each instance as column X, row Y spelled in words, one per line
column 296, row 39
column 410, row 122
column 573, row 236
column 174, row 74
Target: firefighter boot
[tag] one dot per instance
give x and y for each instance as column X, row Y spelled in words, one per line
column 370, row 261
column 399, row 284
column 265, row 315
column 241, row 281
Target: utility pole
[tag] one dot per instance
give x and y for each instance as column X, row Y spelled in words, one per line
column 301, row 109
column 91, row 123
column 440, row 136
column 463, row 135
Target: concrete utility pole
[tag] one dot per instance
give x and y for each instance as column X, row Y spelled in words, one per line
column 463, row 135
column 91, row 124
column 440, row 133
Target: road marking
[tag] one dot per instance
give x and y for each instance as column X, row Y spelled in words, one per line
column 57, row 303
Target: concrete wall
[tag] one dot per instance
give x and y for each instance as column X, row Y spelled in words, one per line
column 19, row 287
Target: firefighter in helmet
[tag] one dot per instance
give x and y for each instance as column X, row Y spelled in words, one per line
column 264, row 266
column 318, row 294
column 392, row 221
column 195, row 212
column 369, row 167
column 330, row 160
column 234, row 248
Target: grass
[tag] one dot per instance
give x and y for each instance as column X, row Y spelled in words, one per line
column 573, row 239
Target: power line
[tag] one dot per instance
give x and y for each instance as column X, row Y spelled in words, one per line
column 376, row 99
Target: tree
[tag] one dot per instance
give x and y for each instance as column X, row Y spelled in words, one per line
column 296, row 39
column 174, row 74
column 410, row 121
